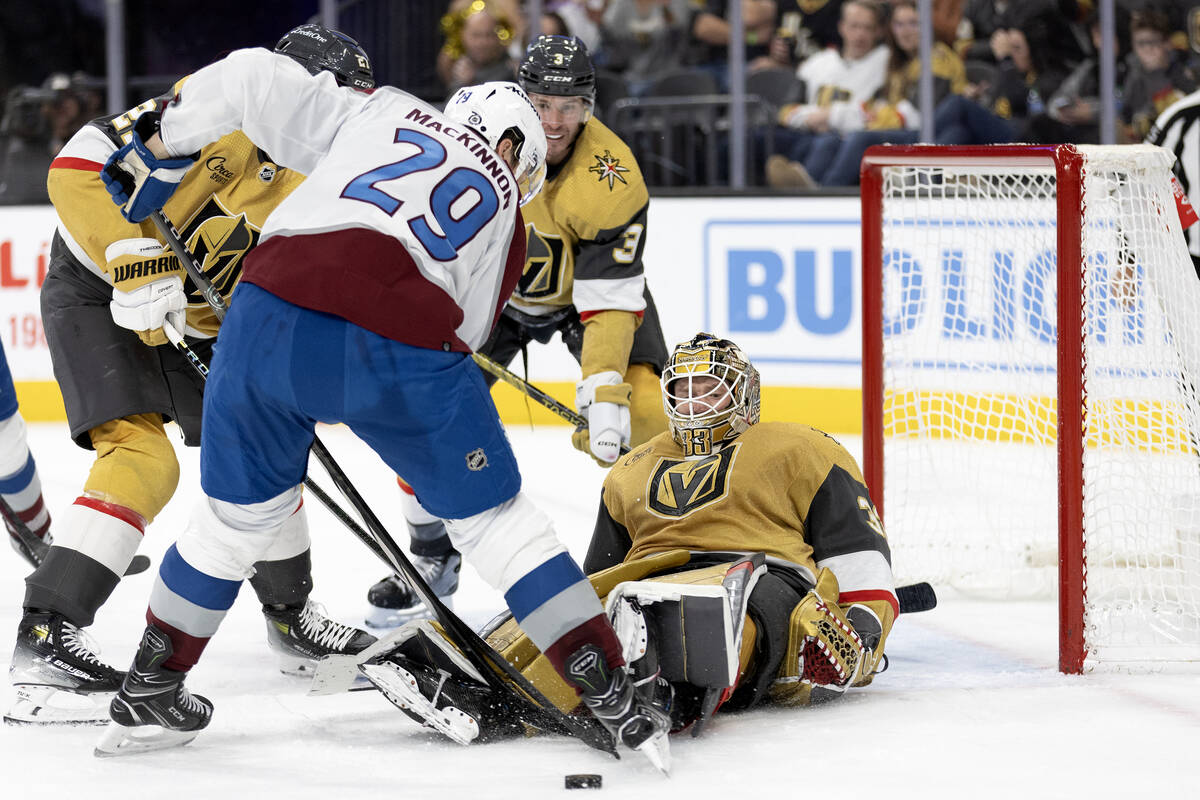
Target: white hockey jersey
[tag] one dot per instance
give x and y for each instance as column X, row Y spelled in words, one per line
column 408, row 223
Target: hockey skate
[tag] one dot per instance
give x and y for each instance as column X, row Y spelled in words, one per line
column 153, row 710
column 430, row 681
column 301, row 636
column 393, row 603
column 610, row 696
column 29, row 545
column 57, row 677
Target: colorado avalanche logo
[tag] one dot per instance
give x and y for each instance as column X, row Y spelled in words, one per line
column 609, row 168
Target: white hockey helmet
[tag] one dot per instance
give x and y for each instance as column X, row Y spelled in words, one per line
column 718, row 411
column 500, row 109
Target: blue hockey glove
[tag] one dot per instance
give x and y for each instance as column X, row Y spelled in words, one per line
column 139, row 182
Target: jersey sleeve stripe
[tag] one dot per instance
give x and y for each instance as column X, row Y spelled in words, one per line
column 586, row 315
column 846, row 598
column 67, row 162
column 618, row 294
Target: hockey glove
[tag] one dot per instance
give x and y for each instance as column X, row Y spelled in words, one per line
column 603, row 400
column 825, row 652
column 147, row 288
column 138, row 181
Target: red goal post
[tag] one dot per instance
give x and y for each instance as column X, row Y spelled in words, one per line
column 973, row 258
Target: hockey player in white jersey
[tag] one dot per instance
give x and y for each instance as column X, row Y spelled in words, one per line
column 372, row 283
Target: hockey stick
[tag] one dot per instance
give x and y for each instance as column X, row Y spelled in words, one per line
column 504, row 677
column 541, row 713
column 34, row 549
column 529, row 390
column 190, row 265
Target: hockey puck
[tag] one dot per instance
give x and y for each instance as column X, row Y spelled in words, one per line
column 582, row 781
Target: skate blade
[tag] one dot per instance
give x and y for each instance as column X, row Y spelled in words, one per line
column 384, row 618
column 335, row 674
column 658, row 752
column 121, row 740
column 47, row 705
column 400, row 688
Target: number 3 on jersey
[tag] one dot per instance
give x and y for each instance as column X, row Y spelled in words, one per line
column 449, row 191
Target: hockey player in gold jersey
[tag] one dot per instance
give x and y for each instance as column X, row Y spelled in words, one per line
column 758, row 539
column 583, row 279
column 99, row 302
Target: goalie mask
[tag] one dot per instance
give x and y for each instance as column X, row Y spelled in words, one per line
column 710, row 393
column 318, row 48
column 500, row 110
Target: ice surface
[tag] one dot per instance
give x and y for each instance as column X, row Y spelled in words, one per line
column 971, row 707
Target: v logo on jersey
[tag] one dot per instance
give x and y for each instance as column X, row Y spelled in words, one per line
column 678, row 487
column 609, row 168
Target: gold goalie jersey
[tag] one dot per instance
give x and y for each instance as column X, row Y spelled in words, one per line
column 585, row 231
column 218, row 209
column 787, row 490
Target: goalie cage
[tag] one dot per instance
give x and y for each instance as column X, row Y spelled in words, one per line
column 997, row 450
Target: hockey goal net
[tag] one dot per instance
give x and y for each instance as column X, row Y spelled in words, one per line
column 1008, row 460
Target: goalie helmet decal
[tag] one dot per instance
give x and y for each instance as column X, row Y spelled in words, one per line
column 704, row 413
column 318, row 48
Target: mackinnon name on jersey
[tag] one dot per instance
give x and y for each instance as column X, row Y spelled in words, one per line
column 487, row 158
column 144, row 269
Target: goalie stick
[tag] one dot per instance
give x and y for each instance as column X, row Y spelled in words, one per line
column 33, row 548
column 503, row 677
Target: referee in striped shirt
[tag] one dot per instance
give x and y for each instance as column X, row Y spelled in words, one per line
column 1178, row 130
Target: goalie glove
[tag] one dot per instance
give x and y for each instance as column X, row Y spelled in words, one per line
column 139, row 182
column 825, row 653
column 603, row 400
column 147, row 288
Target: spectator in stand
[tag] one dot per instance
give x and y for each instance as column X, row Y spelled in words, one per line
column 478, row 36
column 987, row 24
column 1158, row 74
column 998, row 108
column 893, row 116
column 838, row 84
column 802, row 28
column 643, row 39
column 1073, row 112
column 582, row 19
column 710, row 32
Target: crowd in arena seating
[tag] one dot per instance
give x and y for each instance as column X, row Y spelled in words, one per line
column 828, row 78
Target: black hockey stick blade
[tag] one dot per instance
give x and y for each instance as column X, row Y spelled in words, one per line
column 916, row 597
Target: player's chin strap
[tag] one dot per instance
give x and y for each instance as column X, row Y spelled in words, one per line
column 529, row 390
column 503, row 677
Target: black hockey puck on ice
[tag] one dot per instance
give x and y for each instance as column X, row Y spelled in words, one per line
column 582, row 781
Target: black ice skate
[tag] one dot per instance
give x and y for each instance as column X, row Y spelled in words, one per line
column 153, row 710
column 393, row 603
column 610, row 696
column 434, row 684
column 56, row 675
column 301, row 636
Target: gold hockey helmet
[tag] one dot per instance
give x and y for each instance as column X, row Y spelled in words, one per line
column 704, row 413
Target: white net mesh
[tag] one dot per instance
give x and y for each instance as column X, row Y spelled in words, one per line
column 970, row 411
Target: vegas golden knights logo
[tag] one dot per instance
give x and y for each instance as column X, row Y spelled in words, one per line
column 543, row 265
column 678, row 487
column 219, row 241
